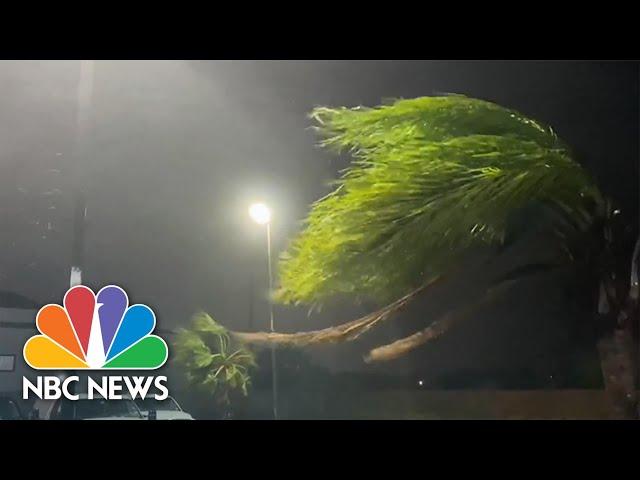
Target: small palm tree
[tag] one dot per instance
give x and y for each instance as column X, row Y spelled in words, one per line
column 210, row 361
column 432, row 179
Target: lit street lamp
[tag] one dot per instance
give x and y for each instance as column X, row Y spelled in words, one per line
column 261, row 214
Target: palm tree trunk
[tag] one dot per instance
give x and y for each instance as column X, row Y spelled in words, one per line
column 618, row 348
column 339, row 333
column 401, row 347
column 619, row 371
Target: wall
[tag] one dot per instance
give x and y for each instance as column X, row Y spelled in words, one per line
column 434, row 405
column 12, row 341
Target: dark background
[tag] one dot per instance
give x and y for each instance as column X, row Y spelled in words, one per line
column 177, row 150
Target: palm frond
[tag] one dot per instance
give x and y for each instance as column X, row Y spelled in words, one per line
column 203, row 351
column 430, row 178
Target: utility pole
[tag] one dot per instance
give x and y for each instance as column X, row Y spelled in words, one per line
column 85, row 90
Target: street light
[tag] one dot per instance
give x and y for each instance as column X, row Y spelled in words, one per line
column 261, row 214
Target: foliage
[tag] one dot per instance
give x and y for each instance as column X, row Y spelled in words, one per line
column 210, row 360
column 430, row 178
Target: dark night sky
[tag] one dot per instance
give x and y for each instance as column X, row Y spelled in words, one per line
column 177, row 150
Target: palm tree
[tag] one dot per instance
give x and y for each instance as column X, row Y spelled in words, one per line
column 211, row 362
column 432, row 179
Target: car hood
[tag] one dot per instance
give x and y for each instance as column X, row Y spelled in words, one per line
column 114, row 418
column 170, row 415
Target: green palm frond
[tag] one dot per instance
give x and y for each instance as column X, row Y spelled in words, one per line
column 430, row 178
column 209, row 359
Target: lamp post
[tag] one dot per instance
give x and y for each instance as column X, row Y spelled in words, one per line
column 261, row 214
column 85, row 91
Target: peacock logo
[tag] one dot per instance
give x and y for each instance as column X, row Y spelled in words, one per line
column 95, row 332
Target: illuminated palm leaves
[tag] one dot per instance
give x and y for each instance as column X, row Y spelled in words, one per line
column 206, row 354
column 430, row 178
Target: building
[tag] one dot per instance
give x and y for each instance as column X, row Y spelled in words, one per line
column 17, row 324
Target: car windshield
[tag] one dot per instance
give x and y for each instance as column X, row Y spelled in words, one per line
column 100, row 408
column 168, row 404
column 8, row 410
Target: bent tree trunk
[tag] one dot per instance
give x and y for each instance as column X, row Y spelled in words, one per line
column 344, row 332
column 619, row 371
column 618, row 347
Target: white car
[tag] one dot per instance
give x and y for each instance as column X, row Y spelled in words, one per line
column 167, row 409
column 86, row 409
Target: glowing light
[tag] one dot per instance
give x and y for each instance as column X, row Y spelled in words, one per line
column 260, row 213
